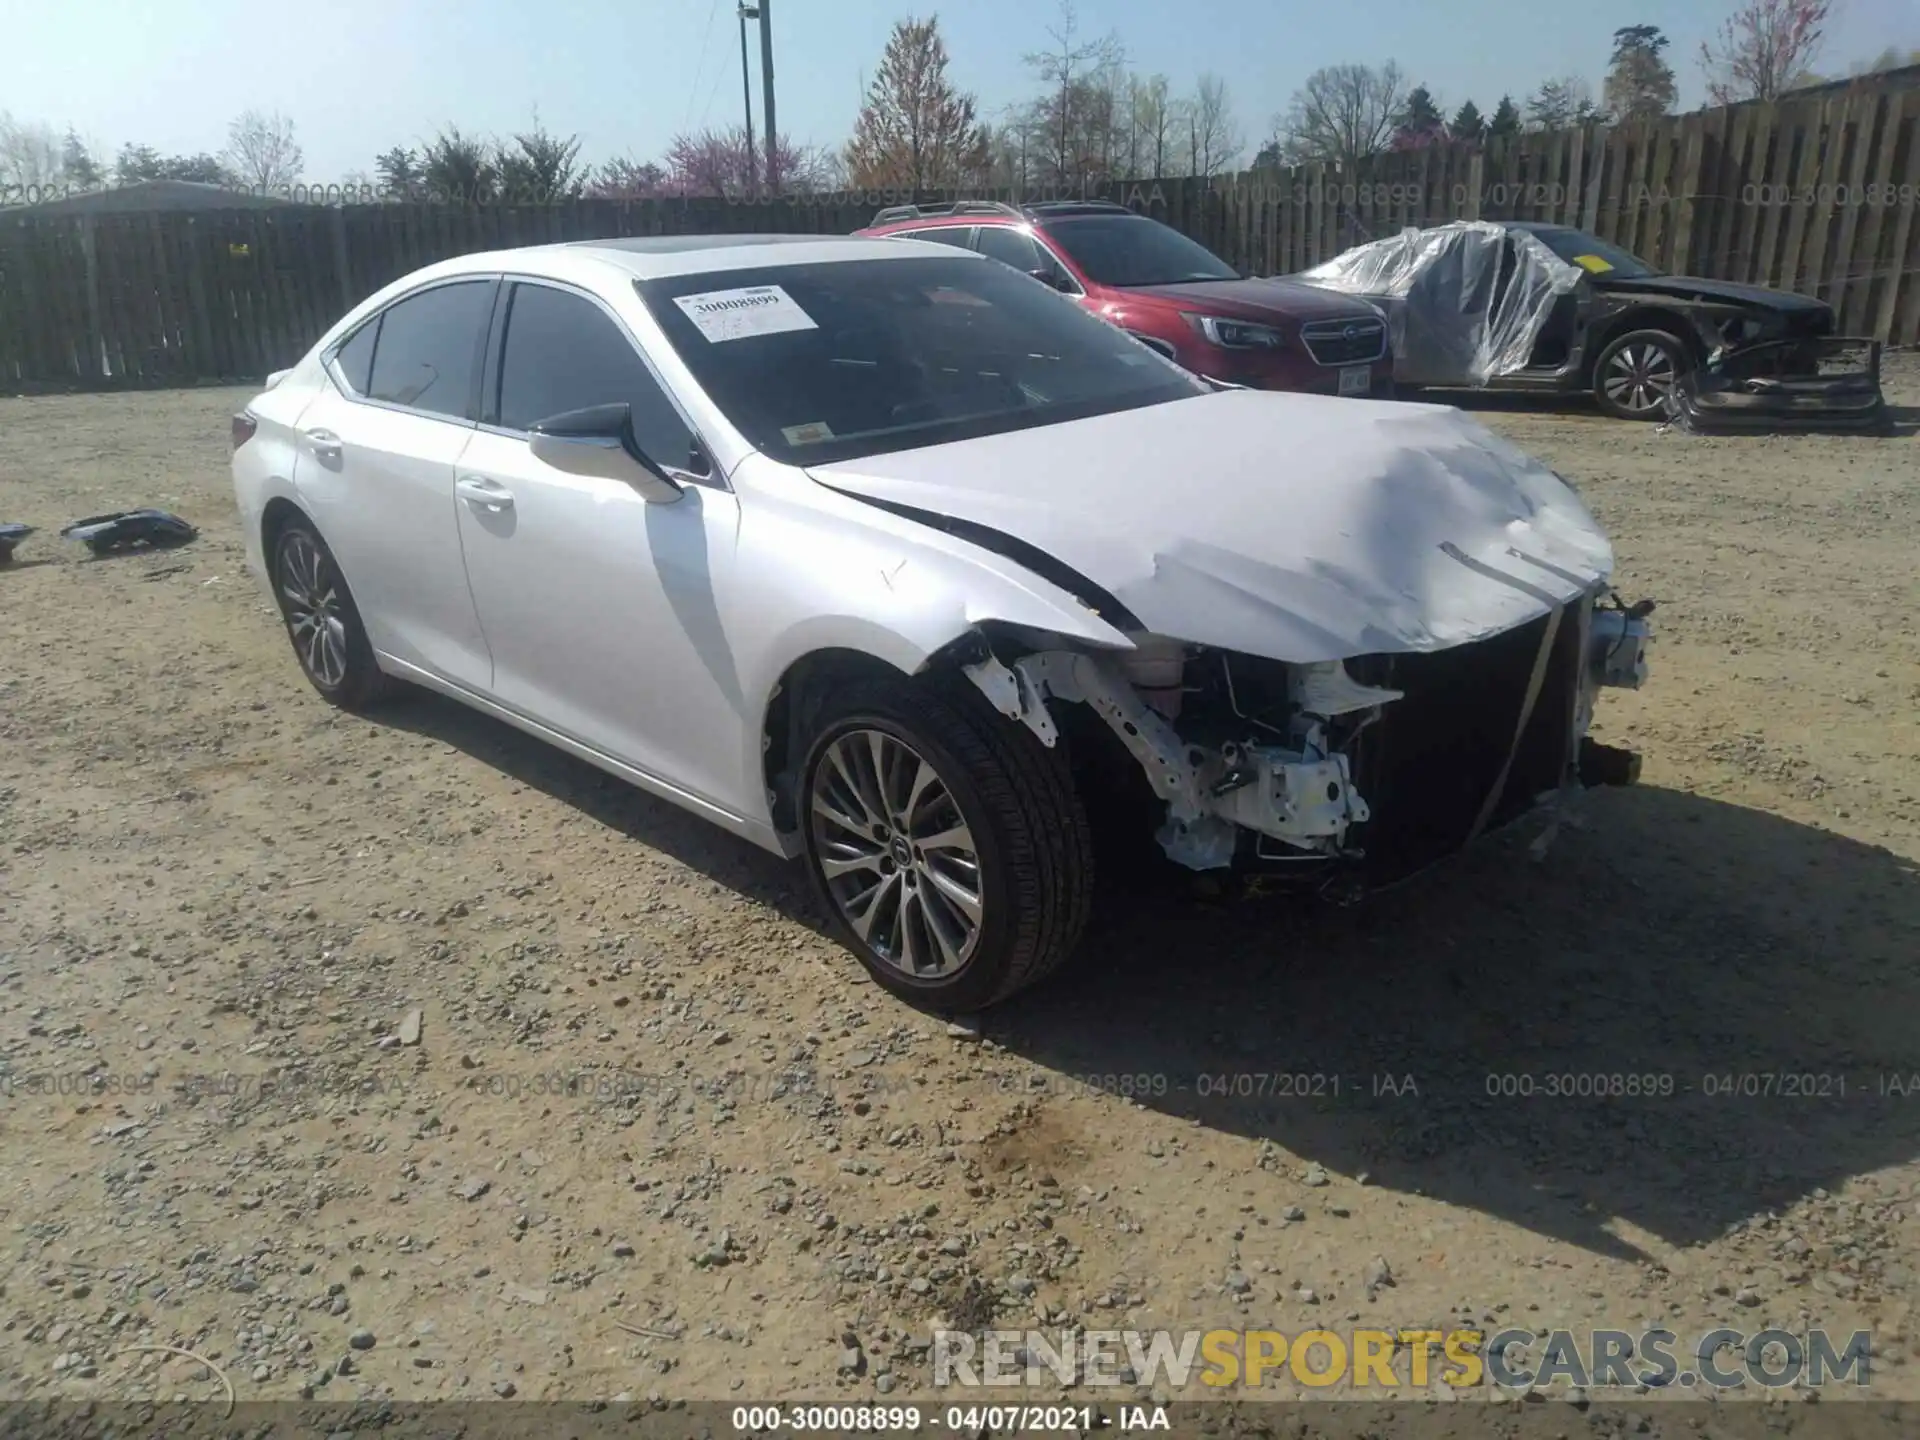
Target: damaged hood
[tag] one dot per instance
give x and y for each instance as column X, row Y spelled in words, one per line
column 1692, row 287
column 1295, row 527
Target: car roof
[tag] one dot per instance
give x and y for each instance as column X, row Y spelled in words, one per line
column 654, row 257
column 896, row 218
column 947, row 222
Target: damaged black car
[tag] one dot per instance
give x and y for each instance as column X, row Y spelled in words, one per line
column 1525, row 306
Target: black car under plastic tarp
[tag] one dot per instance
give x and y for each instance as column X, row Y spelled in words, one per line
column 1465, row 302
column 1830, row 384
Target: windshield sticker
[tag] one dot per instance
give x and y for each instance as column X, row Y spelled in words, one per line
column 811, row 433
column 739, row 314
column 1592, row 264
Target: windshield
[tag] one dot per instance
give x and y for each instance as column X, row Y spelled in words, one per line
column 1594, row 255
column 1123, row 250
column 817, row 363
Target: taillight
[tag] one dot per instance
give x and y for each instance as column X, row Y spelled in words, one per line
column 243, row 427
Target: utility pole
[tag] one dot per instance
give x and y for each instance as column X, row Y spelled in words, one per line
column 747, row 12
column 766, row 108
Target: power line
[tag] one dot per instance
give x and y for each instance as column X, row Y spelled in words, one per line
column 719, row 79
column 706, row 41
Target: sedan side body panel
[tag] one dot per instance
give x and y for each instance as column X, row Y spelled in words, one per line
column 381, row 491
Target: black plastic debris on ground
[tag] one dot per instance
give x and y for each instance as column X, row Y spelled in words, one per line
column 1832, row 384
column 10, row 536
column 130, row 530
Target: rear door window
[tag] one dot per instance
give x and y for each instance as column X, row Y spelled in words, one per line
column 954, row 235
column 427, row 356
column 354, row 360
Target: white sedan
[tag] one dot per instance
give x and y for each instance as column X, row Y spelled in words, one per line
column 886, row 555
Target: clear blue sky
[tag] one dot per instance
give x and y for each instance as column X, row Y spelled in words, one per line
column 357, row 76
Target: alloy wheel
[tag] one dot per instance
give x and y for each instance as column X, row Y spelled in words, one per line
column 310, row 591
column 898, row 857
column 1640, row 376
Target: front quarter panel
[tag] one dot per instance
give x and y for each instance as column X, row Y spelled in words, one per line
column 817, row 570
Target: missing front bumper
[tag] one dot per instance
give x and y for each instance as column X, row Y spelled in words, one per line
column 1826, row 384
column 1399, row 761
column 1303, row 797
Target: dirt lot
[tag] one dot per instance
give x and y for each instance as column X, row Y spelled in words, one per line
column 657, row 1137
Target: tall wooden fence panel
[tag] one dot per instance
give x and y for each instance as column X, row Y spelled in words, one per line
column 1816, row 194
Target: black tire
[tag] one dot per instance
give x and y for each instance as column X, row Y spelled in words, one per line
column 339, row 664
column 1634, row 373
column 1032, row 846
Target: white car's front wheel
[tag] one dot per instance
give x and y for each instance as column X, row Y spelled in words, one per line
column 947, row 842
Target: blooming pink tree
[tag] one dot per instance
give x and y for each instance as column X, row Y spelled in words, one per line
column 1763, row 49
column 719, row 162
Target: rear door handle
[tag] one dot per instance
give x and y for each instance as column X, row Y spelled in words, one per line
column 488, row 494
column 324, row 444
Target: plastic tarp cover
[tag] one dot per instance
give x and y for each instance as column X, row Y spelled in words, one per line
column 1465, row 302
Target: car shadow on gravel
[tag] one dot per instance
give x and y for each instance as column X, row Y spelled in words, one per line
column 1739, row 985
column 738, row 864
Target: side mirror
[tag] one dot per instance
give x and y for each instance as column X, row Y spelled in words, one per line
column 1046, row 275
column 599, row 441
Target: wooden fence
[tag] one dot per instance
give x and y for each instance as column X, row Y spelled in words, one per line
column 1817, row 194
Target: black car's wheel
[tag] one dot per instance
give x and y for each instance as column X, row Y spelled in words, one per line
column 1636, row 372
column 328, row 638
column 945, row 840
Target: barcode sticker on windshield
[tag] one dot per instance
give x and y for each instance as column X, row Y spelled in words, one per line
column 739, row 314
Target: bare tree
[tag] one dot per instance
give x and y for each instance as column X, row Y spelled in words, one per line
column 261, row 150
column 1012, row 149
column 1153, row 116
column 1213, row 136
column 1063, row 68
column 77, row 165
column 1558, row 103
column 1103, row 117
column 1763, row 49
column 1343, row 114
column 30, row 153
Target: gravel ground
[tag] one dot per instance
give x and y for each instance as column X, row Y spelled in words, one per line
column 406, row 1057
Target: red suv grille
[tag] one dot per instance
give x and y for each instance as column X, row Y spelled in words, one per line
column 1344, row 342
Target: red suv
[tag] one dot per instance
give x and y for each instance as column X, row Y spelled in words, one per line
column 1171, row 292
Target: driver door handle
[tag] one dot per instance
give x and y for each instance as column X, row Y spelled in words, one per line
column 488, row 494
column 324, row 444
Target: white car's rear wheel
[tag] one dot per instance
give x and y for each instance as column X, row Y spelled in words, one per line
column 322, row 621
column 946, row 841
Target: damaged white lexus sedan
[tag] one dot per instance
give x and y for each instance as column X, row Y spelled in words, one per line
column 887, row 556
